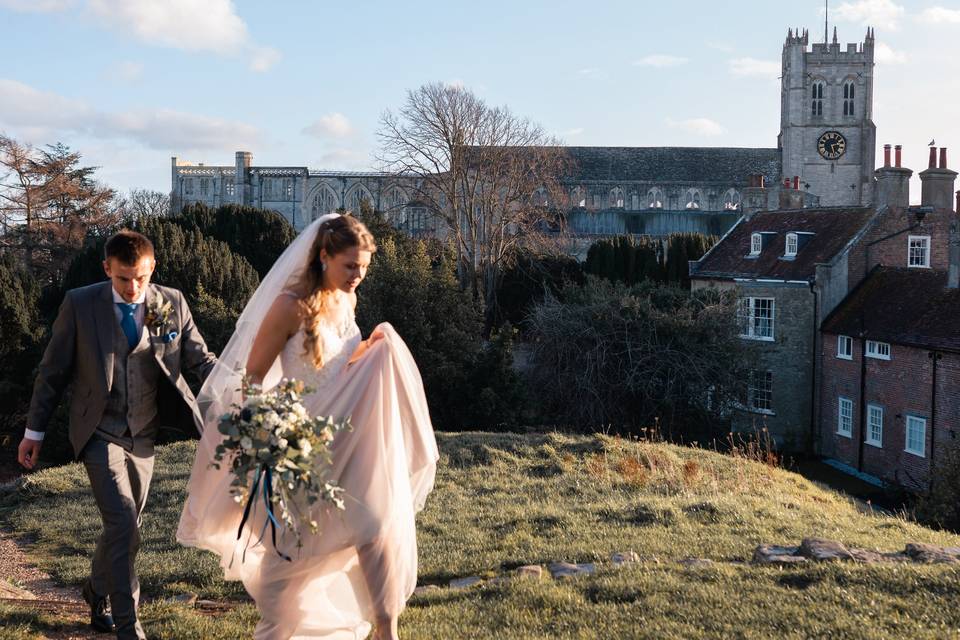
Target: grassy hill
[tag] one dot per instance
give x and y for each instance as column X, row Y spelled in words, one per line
column 502, row 501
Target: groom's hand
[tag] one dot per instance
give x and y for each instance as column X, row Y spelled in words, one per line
column 28, row 452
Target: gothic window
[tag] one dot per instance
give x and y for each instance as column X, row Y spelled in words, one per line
column 848, row 88
column 577, row 198
column 204, row 187
column 817, row 103
column 267, row 188
column 616, row 198
column 540, row 198
column 693, row 199
column 324, row 202
column 229, row 188
column 357, row 197
column 655, row 198
column 731, row 200
column 397, row 198
column 188, row 186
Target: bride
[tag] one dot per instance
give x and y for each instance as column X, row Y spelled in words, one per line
column 362, row 565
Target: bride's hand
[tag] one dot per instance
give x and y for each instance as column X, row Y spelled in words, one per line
column 375, row 337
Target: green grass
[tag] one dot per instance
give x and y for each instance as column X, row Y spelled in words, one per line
column 507, row 500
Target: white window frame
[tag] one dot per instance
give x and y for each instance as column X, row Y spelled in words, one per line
column 844, row 417
column 754, row 391
column 912, row 423
column 875, row 422
column 845, row 353
column 791, row 240
column 924, row 246
column 752, row 323
column 756, row 244
column 878, row 350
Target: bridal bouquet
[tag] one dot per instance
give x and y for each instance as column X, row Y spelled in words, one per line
column 279, row 454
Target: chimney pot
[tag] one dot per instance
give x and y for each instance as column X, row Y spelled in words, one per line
column 943, row 157
column 933, row 158
column 898, row 152
column 886, row 155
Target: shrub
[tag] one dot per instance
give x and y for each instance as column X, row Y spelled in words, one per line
column 631, row 260
column 528, row 278
column 623, row 356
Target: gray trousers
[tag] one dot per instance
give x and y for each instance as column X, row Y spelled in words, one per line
column 120, row 480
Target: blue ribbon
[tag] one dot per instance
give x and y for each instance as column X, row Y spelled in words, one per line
column 267, row 490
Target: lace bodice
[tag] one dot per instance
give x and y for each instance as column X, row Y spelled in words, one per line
column 340, row 338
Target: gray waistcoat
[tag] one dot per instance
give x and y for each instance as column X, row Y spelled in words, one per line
column 133, row 395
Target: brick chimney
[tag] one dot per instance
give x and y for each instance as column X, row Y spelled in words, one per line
column 754, row 196
column 893, row 182
column 791, row 197
column 937, row 182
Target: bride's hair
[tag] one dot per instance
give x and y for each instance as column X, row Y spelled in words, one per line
column 334, row 235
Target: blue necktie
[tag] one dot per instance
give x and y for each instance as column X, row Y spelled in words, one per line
column 128, row 324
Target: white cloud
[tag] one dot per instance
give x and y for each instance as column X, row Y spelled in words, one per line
column 883, row 53
column 878, row 13
column 24, row 108
column 188, row 25
column 344, row 159
column 126, row 71
column 331, row 125
column 37, row 6
column 262, row 58
column 754, row 67
column 940, row 15
column 660, row 60
column 699, row 126
column 570, row 133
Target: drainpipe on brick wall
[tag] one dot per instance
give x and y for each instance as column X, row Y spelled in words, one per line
column 814, row 406
column 862, row 418
column 934, row 357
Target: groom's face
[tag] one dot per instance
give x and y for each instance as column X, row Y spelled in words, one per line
column 129, row 280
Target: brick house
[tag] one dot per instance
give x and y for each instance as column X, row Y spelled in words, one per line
column 890, row 390
column 794, row 266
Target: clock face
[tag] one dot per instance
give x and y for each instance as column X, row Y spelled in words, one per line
column 832, row 145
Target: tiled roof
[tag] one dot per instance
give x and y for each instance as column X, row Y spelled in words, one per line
column 726, row 165
column 903, row 306
column 832, row 229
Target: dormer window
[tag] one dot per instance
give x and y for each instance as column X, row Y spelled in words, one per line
column 756, row 244
column 791, row 245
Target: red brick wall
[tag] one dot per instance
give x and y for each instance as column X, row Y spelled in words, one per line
column 902, row 386
column 893, row 251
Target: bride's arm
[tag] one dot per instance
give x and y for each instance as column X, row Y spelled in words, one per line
column 281, row 322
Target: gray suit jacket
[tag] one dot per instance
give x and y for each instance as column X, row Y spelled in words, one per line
column 80, row 352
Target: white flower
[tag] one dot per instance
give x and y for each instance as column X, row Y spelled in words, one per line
column 305, row 446
column 271, row 419
column 282, row 443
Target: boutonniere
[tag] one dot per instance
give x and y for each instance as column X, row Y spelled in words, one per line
column 157, row 318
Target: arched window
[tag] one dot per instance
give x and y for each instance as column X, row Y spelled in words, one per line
column 655, row 198
column 817, row 103
column 577, row 197
column 324, row 202
column 398, row 198
column 693, row 199
column 357, row 196
column 731, row 200
column 540, row 198
column 848, row 96
column 616, row 198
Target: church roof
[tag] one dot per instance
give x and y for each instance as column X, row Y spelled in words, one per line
column 901, row 305
column 825, row 232
column 727, row 165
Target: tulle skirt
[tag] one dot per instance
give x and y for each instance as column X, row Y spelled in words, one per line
column 363, row 564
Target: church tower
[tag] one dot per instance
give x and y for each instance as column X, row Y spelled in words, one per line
column 827, row 135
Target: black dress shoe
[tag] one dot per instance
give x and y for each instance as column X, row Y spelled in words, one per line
column 100, row 620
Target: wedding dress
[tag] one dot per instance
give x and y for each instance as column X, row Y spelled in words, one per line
column 362, row 565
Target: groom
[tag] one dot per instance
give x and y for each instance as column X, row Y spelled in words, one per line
column 124, row 345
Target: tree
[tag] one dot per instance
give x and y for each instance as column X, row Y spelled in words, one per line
column 48, row 205
column 145, row 203
column 491, row 177
column 612, row 354
column 259, row 235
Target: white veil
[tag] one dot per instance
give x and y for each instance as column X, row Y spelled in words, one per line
column 222, row 387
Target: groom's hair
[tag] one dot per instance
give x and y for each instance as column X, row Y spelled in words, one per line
column 128, row 247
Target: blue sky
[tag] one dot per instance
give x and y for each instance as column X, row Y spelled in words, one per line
column 129, row 83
